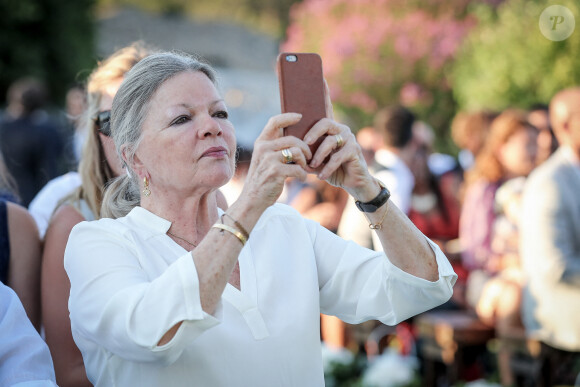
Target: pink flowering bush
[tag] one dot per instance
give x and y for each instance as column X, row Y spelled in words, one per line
column 380, row 52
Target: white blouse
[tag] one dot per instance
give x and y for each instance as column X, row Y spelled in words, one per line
column 130, row 283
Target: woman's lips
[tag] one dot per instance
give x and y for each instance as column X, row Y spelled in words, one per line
column 215, row 152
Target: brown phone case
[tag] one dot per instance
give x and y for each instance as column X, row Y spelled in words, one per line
column 302, row 91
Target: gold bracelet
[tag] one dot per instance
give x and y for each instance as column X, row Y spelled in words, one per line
column 237, row 233
column 238, row 225
column 378, row 226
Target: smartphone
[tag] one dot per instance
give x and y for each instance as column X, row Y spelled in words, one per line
column 301, row 86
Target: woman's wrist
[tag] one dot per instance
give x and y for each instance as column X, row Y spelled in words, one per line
column 246, row 211
column 367, row 191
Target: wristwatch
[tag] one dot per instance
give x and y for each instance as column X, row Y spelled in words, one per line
column 377, row 202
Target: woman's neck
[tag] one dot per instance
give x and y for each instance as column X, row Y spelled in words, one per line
column 191, row 218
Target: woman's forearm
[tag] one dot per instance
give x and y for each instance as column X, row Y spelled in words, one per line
column 405, row 246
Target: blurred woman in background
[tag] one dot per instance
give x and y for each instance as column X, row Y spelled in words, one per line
column 99, row 164
column 488, row 225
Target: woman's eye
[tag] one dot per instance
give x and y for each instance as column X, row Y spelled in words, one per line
column 221, row 114
column 180, row 120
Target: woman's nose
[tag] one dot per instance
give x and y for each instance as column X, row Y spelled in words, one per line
column 211, row 127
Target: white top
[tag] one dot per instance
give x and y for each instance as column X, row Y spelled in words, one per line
column 130, row 283
column 45, row 201
column 24, row 357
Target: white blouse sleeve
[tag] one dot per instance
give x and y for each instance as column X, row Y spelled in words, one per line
column 358, row 284
column 24, row 357
column 113, row 302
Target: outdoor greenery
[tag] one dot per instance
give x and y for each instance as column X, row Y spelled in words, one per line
column 434, row 56
column 381, row 52
column 506, row 61
column 49, row 39
column 268, row 16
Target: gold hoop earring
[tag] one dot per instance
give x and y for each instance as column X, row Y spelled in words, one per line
column 146, row 190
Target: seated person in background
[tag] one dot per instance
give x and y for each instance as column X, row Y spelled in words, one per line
column 493, row 287
column 24, row 356
column 434, row 203
column 435, row 207
column 509, row 152
column 174, row 290
column 20, row 253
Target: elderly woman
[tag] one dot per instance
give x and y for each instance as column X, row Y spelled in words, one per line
column 174, row 291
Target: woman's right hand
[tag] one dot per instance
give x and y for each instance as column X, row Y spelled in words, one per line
column 268, row 170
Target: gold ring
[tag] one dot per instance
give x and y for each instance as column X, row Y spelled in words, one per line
column 339, row 140
column 287, row 154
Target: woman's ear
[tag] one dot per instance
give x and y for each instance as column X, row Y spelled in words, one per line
column 133, row 163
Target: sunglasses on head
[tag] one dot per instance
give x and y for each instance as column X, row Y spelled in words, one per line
column 103, row 122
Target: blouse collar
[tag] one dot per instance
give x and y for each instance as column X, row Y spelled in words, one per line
column 146, row 220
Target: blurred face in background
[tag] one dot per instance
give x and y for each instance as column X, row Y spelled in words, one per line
column 546, row 140
column 75, row 103
column 369, row 141
column 518, row 154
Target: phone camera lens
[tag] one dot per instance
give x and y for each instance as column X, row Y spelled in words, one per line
column 291, row 58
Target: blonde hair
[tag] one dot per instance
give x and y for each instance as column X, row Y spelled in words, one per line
column 94, row 170
column 130, row 107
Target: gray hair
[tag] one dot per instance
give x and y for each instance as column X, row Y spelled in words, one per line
column 130, row 107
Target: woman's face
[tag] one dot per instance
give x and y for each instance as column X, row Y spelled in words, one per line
column 518, row 153
column 188, row 142
column 108, row 144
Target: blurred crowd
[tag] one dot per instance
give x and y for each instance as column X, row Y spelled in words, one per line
column 505, row 210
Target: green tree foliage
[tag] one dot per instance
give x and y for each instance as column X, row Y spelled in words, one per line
column 269, row 16
column 380, row 52
column 507, row 62
column 48, row 39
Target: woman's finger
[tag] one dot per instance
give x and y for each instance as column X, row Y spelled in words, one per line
column 294, row 155
column 330, row 145
column 262, row 147
column 275, row 125
column 323, row 127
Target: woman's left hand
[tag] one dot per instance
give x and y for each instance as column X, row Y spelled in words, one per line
column 339, row 159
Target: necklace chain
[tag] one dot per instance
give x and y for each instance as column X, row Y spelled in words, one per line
column 183, row 239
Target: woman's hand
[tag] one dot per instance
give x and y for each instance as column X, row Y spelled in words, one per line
column 268, row 168
column 339, row 159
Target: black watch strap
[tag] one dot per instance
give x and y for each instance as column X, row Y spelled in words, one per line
column 377, row 202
